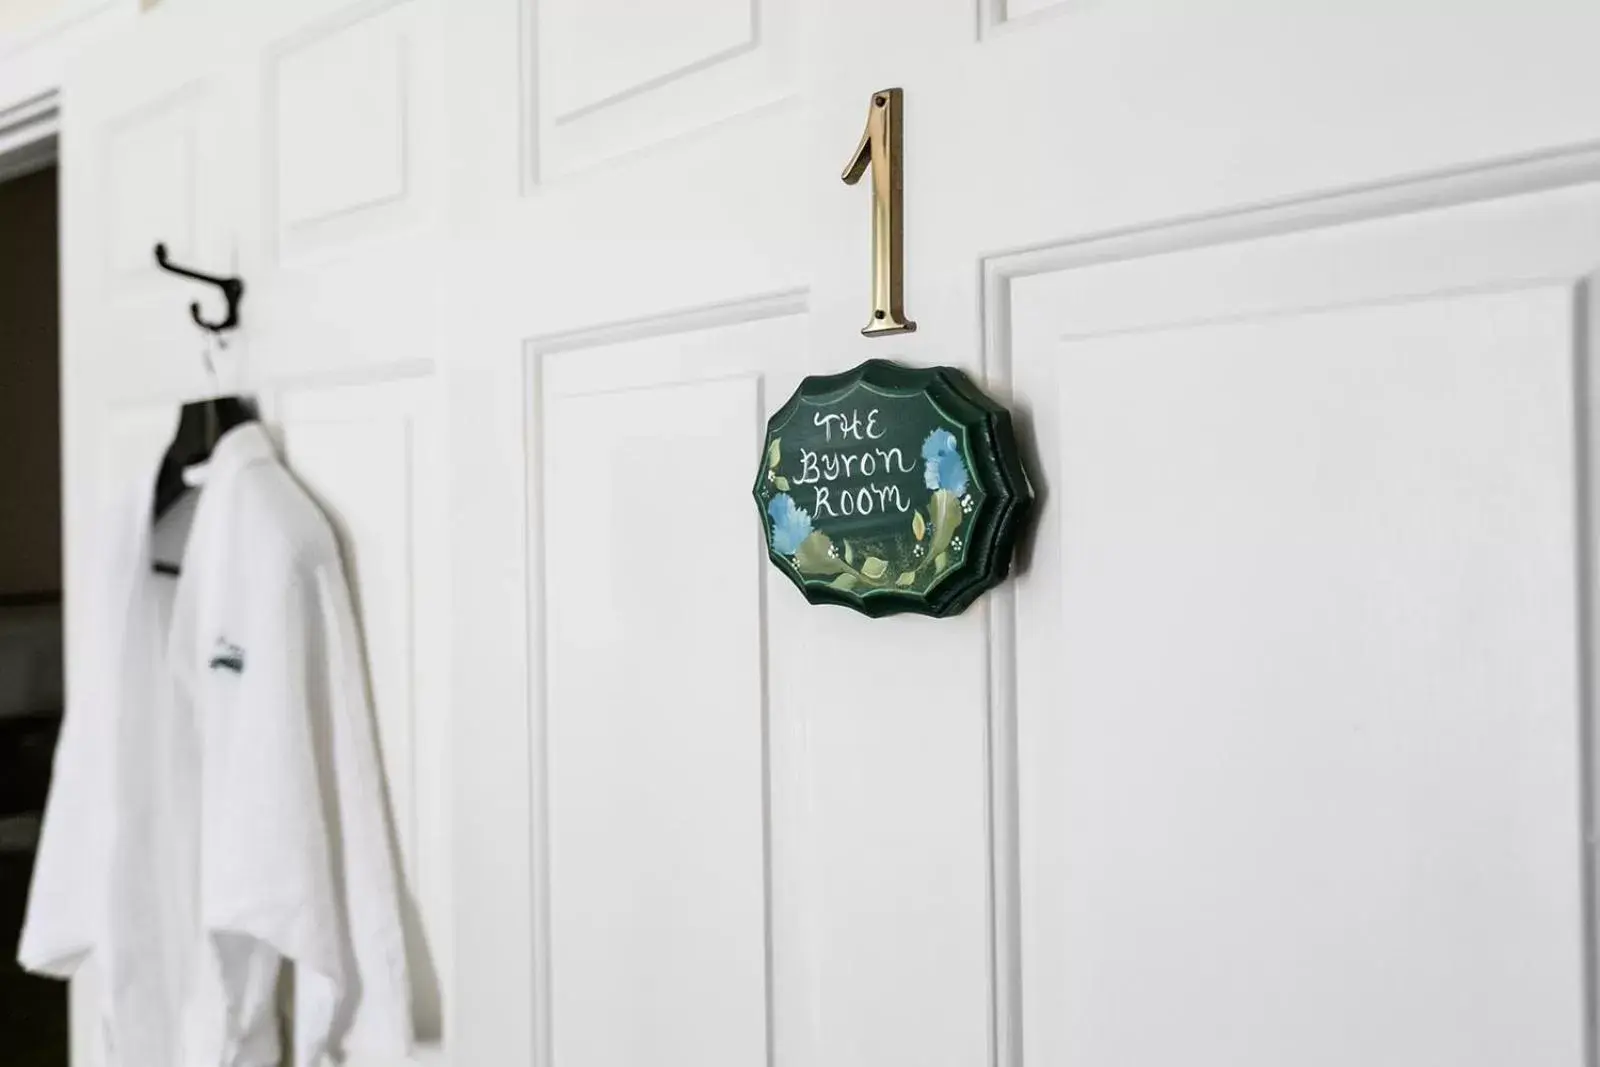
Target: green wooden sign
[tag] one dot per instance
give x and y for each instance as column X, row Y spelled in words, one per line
column 891, row 489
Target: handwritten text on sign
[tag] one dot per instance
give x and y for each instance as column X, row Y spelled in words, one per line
column 855, row 456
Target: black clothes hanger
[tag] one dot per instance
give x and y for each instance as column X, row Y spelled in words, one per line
column 200, row 424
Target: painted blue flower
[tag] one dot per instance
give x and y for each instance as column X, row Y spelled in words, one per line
column 944, row 467
column 790, row 525
column 938, row 441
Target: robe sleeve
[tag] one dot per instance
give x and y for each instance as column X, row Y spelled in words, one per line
column 297, row 858
column 67, row 900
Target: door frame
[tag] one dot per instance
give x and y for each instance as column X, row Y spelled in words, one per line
column 29, row 132
column 33, row 63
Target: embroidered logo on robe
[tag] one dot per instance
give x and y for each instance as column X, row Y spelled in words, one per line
column 228, row 657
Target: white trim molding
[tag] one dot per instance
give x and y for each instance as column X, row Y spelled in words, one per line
column 28, row 135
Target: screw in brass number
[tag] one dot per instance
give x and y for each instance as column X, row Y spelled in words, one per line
column 880, row 150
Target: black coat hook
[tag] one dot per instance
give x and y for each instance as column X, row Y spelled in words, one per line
column 232, row 289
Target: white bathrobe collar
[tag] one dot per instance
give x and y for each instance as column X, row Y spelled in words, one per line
column 245, row 443
column 240, row 446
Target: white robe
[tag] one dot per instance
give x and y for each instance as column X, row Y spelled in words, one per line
column 218, row 806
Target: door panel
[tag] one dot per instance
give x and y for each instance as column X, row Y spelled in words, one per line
column 654, row 739
column 658, row 779
column 338, row 126
column 1299, row 714
column 612, row 78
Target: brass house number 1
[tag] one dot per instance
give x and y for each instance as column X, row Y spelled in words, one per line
column 880, row 150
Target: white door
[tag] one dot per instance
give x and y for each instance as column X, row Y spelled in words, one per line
column 1275, row 750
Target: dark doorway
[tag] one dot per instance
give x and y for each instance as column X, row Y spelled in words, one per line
column 33, row 1012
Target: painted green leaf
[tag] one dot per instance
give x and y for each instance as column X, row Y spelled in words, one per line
column 919, row 526
column 772, row 454
column 849, row 553
column 844, row 581
column 875, row 568
column 945, row 509
column 814, row 555
column 782, row 483
column 906, row 578
column 940, row 562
